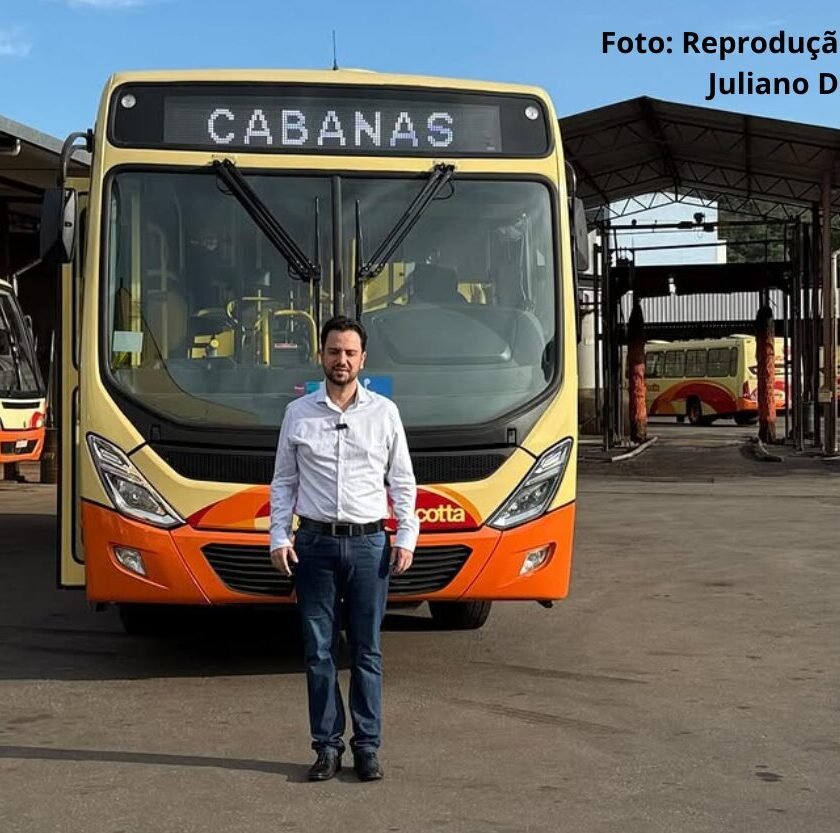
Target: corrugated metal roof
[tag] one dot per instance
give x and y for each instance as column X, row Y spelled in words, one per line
column 645, row 145
column 29, row 165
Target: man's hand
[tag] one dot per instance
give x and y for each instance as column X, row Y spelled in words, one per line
column 283, row 558
column 400, row 560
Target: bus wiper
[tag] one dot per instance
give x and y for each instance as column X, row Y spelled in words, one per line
column 260, row 213
column 440, row 176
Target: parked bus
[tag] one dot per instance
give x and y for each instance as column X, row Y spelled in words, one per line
column 22, row 404
column 227, row 215
column 701, row 381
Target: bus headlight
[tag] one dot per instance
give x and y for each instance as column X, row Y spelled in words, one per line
column 537, row 490
column 131, row 493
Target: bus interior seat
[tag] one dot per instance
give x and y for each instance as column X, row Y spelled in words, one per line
column 433, row 284
column 207, row 324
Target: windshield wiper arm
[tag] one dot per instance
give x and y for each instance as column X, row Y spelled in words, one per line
column 260, row 213
column 440, row 176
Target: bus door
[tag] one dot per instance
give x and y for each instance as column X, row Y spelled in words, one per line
column 71, row 570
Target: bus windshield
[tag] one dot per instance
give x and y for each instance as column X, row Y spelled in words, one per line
column 19, row 373
column 208, row 323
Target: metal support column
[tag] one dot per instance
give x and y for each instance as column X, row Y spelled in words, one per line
column 828, row 393
column 796, row 367
column 813, row 275
column 10, row 470
column 597, row 283
column 786, row 359
column 606, row 338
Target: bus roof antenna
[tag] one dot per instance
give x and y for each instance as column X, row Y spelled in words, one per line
column 335, row 53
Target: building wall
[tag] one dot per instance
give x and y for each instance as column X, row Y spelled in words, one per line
column 737, row 306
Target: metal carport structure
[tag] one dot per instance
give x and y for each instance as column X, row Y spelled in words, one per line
column 643, row 152
column 29, row 164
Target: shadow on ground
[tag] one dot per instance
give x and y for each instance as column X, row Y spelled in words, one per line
column 48, row 633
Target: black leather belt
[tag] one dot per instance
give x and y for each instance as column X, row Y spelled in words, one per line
column 342, row 530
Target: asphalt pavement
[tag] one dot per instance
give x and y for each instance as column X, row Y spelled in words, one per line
column 688, row 683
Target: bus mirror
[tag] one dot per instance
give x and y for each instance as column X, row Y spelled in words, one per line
column 58, row 225
column 581, row 235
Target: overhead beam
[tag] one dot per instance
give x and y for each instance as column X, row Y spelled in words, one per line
column 21, row 186
column 652, row 120
column 587, row 177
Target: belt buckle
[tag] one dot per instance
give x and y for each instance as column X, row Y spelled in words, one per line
column 339, row 529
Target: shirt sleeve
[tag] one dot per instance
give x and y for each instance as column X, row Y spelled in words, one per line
column 402, row 488
column 284, row 487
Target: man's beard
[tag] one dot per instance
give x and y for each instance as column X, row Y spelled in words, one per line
column 341, row 381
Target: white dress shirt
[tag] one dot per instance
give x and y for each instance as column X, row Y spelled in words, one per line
column 343, row 475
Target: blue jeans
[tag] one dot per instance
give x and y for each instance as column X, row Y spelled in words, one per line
column 351, row 572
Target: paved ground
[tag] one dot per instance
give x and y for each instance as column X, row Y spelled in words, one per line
column 683, row 453
column 689, row 683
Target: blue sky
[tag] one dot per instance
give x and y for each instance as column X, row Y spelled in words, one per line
column 56, row 54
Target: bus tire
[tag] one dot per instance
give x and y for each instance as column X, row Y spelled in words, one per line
column 694, row 411
column 143, row 619
column 460, row 616
column 746, row 418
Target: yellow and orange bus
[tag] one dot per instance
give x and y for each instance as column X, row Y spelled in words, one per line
column 708, row 379
column 226, row 216
column 22, row 403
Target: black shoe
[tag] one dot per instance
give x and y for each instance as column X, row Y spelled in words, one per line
column 367, row 766
column 326, row 765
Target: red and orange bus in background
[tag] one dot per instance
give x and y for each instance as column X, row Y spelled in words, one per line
column 704, row 380
column 226, row 216
column 22, row 403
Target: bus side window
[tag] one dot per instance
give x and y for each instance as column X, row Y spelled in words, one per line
column 695, row 363
column 718, row 364
column 733, row 361
column 675, row 364
column 653, row 365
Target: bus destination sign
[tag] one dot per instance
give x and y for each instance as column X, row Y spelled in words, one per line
column 324, row 127
column 323, row 120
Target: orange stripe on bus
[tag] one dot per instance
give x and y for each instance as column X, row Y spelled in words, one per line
column 715, row 396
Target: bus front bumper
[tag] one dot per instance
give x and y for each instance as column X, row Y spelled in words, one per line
column 198, row 566
column 21, row 446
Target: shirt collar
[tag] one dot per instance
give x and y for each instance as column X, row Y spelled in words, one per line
column 363, row 395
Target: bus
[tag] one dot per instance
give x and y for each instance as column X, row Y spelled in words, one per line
column 226, row 216
column 704, row 380
column 22, row 403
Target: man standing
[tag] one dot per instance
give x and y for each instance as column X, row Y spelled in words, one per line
column 342, row 451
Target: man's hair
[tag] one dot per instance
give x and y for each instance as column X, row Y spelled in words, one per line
column 341, row 324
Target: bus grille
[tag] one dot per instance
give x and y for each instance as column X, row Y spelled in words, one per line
column 433, row 569
column 222, row 466
column 243, row 466
column 460, row 467
column 247, row 569
column 19, row 404
column 12, row 448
